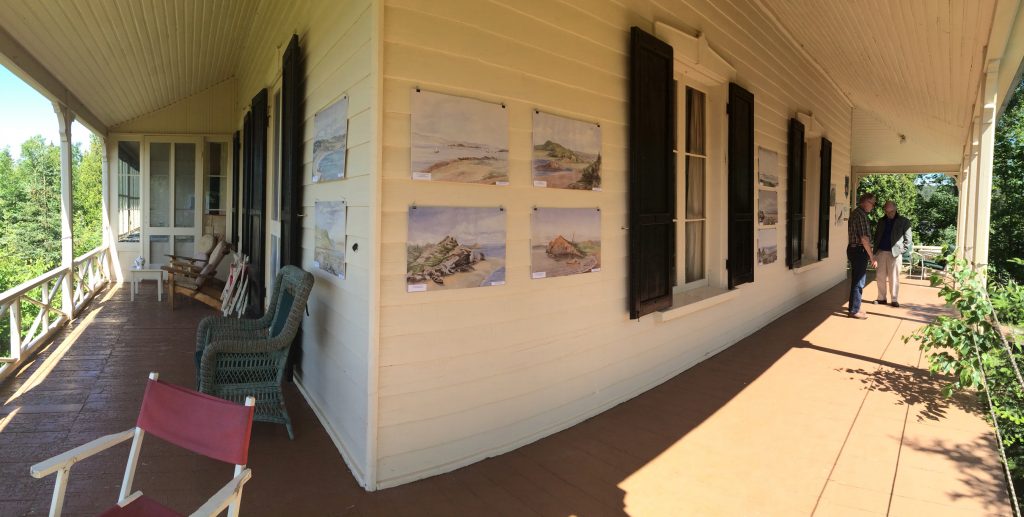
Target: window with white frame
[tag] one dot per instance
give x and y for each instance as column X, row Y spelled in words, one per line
column 700, row 167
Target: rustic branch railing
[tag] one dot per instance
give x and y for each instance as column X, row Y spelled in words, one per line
column 43, row 296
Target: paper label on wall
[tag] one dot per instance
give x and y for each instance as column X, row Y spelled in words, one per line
column 540, row 183
column 596, row 189
column 417, row 288
column 539, row 274
column 501, row 183
column 425, row 176
column 499, row 282
column 595, row 270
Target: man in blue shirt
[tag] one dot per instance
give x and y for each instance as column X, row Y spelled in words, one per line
column 892, row 239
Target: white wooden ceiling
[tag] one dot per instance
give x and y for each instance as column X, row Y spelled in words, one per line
column 910, row 67
column 126, row 58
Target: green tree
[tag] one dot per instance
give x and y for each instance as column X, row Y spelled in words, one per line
column 898, row 188
column 1007, row 220
column 87, row 195
column 937, row 205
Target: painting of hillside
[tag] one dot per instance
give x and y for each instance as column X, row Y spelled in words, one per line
column 565, row 241
column 454, row 248
column 566, row 153
column 329, row 237
column 330, row 140
column 768, row 207
column 767, row 246
column 458, row 139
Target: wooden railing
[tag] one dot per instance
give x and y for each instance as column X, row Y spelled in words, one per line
column 42, row 299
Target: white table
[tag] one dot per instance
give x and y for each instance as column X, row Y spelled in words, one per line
column 135, row 275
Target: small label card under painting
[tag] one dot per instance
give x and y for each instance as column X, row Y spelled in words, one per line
column 565, row 241
column 330, row 142
column 454, row 248
column 458, row 139
column 330, row 239
column 566, row 153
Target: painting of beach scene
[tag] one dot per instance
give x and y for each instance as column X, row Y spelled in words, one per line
column 565, row 241
column 330, row 128
column 767, row 167
column 329, row 242
column 566, row 153
column 454, row 248
column 458, row 139
column 768, row 207
column 767, row 247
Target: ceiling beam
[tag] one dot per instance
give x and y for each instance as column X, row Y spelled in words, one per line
column 23, row 64
column 951, row 168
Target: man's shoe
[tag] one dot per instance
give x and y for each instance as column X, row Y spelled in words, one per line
column 895, row 303
column 859, row 315
column 880, row 302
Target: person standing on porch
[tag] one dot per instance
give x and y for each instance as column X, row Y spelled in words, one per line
column 859, row 252
column 892, row 239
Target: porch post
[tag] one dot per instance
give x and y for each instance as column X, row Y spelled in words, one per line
column 961, row 213
column 108, row 238
column 985, row 159
column 971, row 211
column 67, row 254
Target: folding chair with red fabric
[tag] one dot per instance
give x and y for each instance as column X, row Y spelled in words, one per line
column 201, row 423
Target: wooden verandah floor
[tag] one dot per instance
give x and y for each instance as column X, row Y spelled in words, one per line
column 814, row 414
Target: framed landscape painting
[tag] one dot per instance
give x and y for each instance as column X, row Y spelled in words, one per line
column 566, row 153
column 330, row 142
column 458, row 139
column 454, row 248
column 565, row 241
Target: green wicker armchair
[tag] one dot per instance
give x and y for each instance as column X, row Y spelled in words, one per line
column 240, row 357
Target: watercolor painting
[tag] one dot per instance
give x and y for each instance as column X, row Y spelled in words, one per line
column 767, row 246
column 458, row 139
column 330, row 141
column 565, row 241
column 330, row 240
column 832, row 195
column 768, row 207
column 566, row 153
column 767, row 167
column 454, row 248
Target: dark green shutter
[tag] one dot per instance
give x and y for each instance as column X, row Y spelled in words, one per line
column 291, row 155
column 741, row 186
column 652, row 174
column 796, row 166
column 823, row 208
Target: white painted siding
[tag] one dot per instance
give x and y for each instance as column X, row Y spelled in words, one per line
column 339, row 58
column 472, row 373
column 210, row 111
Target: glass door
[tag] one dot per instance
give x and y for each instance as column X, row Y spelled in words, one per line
column 172, row 213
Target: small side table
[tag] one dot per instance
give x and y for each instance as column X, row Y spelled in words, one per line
column 135, row 275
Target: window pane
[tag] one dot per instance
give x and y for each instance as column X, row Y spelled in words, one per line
column 694, row 251
column 185, row 246
column 694, row 121
column 184, row 185
column 159, row 248
column 128, row 191
column 159, row 184
column 694, row 187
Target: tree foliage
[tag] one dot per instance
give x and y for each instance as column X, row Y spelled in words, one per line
column 1006, row 239
column 30, row 225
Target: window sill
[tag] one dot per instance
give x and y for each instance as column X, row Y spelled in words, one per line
column 809, row 267
column 690, row 302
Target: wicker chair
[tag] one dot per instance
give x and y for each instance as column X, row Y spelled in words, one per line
column 240, row 357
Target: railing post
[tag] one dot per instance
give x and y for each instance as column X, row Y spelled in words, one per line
column 45, row 298
column 67, row 249
column 15, row 311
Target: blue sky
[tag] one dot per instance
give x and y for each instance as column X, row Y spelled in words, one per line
column 24, row 112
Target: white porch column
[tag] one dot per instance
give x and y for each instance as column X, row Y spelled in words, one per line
column 67, row 254
column 985, row 158
column 962, row 201
column 105, row 207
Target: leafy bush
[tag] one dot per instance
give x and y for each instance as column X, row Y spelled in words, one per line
column 958, row 348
